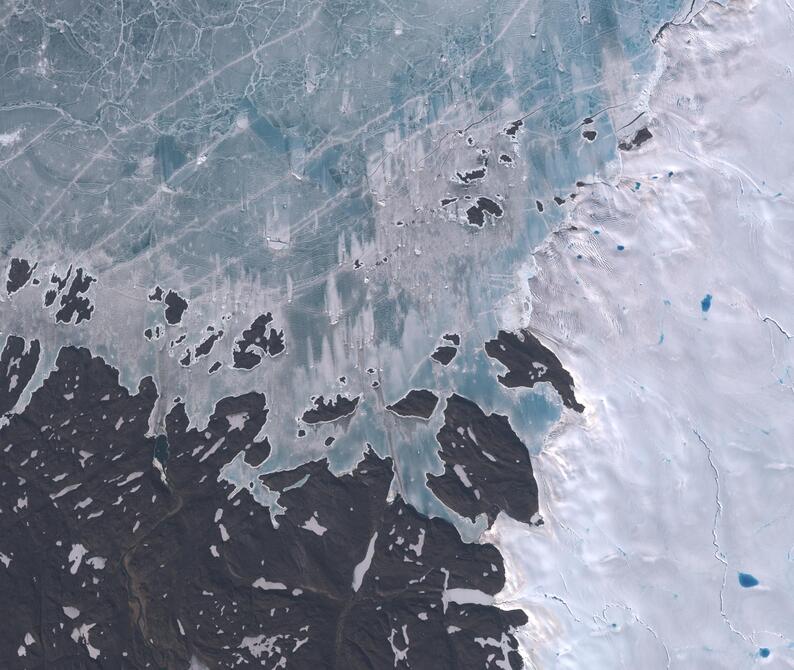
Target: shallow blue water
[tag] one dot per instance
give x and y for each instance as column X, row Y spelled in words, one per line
column 747, row 580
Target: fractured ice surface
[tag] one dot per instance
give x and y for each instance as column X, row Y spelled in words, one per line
column 331, row 207
column 250, row 160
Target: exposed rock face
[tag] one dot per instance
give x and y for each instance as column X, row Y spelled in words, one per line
column 113, row 559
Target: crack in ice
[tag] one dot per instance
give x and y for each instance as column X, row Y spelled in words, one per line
column 769, row 319
column 640, row 621
column 718, row 553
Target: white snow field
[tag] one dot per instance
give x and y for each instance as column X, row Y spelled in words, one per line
column 680, row 475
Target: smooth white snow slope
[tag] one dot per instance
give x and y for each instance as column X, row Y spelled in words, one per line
column 680, row 475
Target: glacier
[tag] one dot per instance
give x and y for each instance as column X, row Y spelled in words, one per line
column 669, row 541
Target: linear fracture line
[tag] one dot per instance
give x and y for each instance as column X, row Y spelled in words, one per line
column 718, row 553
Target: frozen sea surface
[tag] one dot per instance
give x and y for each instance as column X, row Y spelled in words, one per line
column 333, row 203
column 292, row 159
